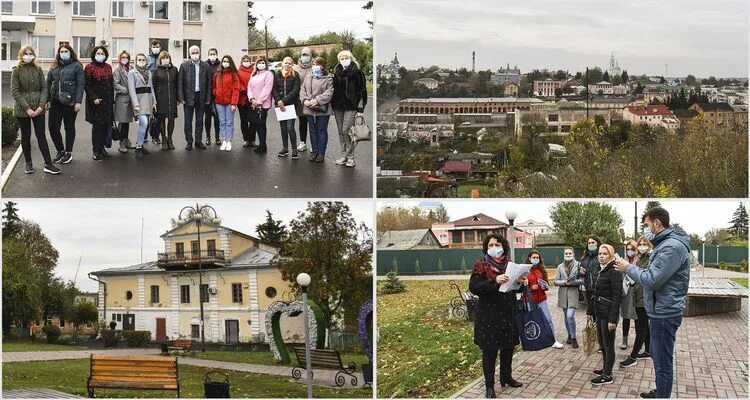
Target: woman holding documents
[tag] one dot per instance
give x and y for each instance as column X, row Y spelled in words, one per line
column 539, row 285
column 568, row 280
column 605, row 301
column 285, row 94
column 495, row 323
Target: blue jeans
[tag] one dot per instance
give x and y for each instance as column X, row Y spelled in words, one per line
column 663, row 333
column 318, row 133
column 226, row 121
column 570, row 321
column 545, row 310
column 142, row 129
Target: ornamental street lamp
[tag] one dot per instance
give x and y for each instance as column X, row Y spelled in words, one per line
column 511, row 216
column 303, row 280
column 197, row 217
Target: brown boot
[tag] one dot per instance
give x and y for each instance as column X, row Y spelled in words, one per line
column 574, row 343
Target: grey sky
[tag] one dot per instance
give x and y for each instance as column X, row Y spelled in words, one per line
column 107, row 232
column 695, row 216
column 301, row 19
column 691, row 36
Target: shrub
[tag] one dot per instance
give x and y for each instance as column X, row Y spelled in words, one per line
column 111, row 337
column 743, row 266
column 393, row 285
column 52, row 332
column 10, row 126
column 137, row 338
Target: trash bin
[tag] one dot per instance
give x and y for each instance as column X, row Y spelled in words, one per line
column 216, row 389
column 471, row 307
column 164, row 348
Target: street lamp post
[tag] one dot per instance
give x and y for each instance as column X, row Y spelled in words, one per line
column 265, row 27
column 197, row 217
column 303, row 280
column 511, row 216
column 703, row 263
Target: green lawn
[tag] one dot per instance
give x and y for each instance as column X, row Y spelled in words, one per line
column 369, row 88
column 13, row 346
column 266, row 357
column 421, row 351
column 70, row 376
column 741, row 281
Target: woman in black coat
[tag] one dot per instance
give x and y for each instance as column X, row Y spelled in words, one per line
column 100, row 96
column 495, row 320
column 605, row 301
column 164, row 80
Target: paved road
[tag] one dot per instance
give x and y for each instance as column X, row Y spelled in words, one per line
column 320, row 376
column 710, row 351
column 199, row 173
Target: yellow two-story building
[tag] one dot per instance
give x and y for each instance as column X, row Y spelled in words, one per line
column 164, row 296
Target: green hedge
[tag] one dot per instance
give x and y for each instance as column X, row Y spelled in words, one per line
column 137, row 338
column 10, row 126
column 52, row 332
column 111, row 337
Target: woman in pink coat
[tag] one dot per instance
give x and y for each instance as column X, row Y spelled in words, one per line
column 260, row 94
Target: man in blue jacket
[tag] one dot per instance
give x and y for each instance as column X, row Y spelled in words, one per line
column 665, row 286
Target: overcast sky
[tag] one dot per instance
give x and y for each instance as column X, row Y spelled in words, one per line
column 301, row 19
column 692, row 36
column 695, row 216
column 107, row 232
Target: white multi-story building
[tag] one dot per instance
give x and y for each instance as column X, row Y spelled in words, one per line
column 122, row 25
column 535, row 227
column 652, row 115
column 547, row 87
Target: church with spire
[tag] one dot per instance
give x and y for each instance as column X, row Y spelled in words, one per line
column 390, row 72
column 614, row 67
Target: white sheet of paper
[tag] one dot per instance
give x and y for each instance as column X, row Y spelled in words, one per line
column 289, row 113
column 514, row 271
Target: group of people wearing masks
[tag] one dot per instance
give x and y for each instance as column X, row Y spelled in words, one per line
column 648, row 285
column 150, row 89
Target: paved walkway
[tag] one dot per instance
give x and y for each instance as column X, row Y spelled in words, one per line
column 711, row 361
column 197, row 173
column 717, row 273
column 320, row 376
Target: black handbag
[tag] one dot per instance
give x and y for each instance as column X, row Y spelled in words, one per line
column 115, row 131
column 321, row 108
column 256, row 116
column 64, row 98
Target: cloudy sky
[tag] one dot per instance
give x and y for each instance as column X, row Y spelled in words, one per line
column 301, row 19
column 695, row 216
column 107, row 232
column 691, row 36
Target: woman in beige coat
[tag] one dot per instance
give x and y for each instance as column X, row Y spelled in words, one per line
column 315, row 95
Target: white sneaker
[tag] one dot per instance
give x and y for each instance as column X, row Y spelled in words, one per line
column 558, row 345
column 223, row 145
column 350, row 163
column 341, row 161
column 302, row 146
column 229, row 146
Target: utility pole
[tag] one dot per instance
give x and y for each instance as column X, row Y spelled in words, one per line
column 635, row 220
column 587, row 92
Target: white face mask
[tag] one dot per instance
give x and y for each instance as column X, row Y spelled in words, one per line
column 27, row 58
column 261, row 67
column 165, row 61
column 346, row 62
column 156, row 50
column 316, row 68
column 225, row 65
column 568, row 258
column 643, row 249
column 124, row 61
column 246, row 64
column 140, row 64
column 195, row 56
column 212, row 58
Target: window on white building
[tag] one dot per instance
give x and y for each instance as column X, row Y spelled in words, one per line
column 122, row 9
column 191, row 11
column 84, row 8
column 154, row 294
column 120, row 44
column 83, row 45
column 43, row 7
column 44, row 46
column 204, row 293
column 184, row 293
column 236, row 293
column 195, row 331
column 158, row 10
column 186, row 47
column 7, row 7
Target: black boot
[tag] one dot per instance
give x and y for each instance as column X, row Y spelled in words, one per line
column 510, row 382
column 164, row 142
column 169, row 140
column 490, row 387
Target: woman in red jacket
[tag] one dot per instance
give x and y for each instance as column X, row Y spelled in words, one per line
column 226, row 90
column 245, row 71
column 538, row 285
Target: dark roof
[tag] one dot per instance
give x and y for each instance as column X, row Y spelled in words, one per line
column 685, row 113
column 405, row 239
column 456, row 166
column 715, row 106
column 477, row 220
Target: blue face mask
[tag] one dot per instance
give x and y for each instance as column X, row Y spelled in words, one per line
column 317, row 73
column 305, row 59
column 593, row 247
column 99, row 58
column 65, row 56
column 648, row 234
column 631, row 253
column 534, row 262
column 495, row 252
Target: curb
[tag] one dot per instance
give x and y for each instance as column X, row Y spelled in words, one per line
column 9, row 168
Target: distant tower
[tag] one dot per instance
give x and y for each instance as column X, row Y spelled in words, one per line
column 614, row 66
column 473, row 61
column 666, row 71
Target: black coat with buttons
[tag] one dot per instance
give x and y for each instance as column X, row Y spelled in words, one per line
column 495, row 319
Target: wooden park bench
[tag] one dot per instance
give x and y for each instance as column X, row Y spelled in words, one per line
column 181, row 347
column 326, row 359
column 133, row 372
column 713, row 296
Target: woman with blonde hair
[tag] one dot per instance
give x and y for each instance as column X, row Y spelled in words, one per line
column 627, row 310
column 641, row 323
column 141, row 91
column 349, row 101
column 315, row 95
column 568, row 280
column 605, row 305
column 29, row 90
column 123, row 110
column 286, row 93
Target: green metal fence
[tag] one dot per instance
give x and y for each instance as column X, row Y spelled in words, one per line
column 344, row 341
column 448, row 261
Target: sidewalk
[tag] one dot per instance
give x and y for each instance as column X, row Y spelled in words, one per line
column 325, row 377
column 711, row 361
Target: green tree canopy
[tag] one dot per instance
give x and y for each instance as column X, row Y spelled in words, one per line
column 272, row 230
column 739, row 226
column 573, row 221
column 84, row 312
